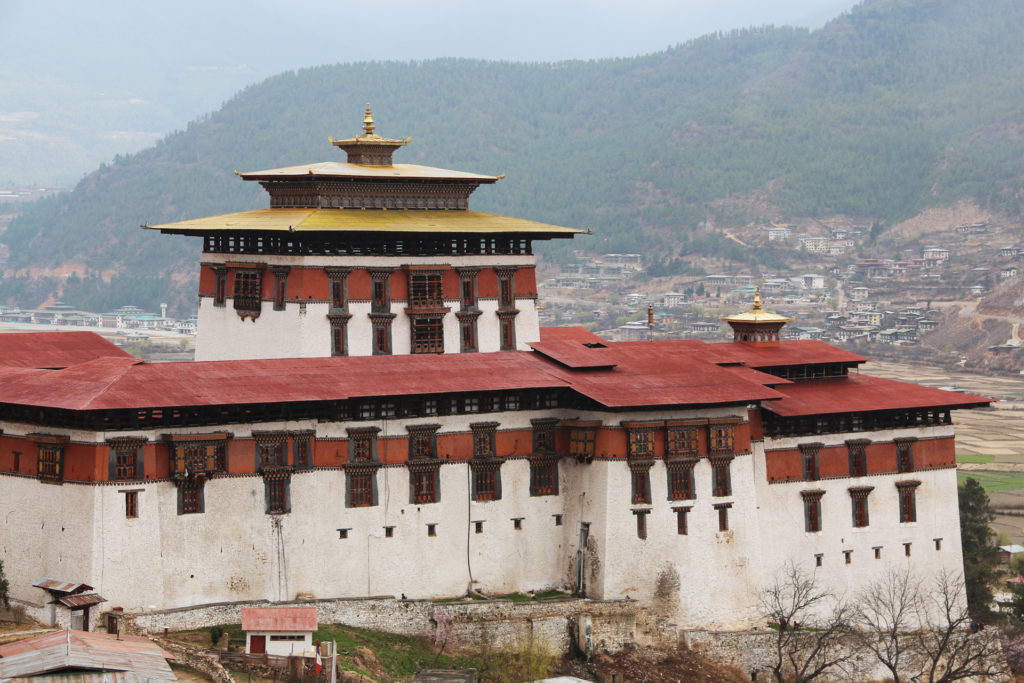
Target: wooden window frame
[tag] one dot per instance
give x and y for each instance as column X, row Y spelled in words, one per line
column 506, row 288
column 337, row 286
column 544, row 477
column 904, row 455
column 680, row 479
column 860, row 509
column 641, row 523
column 131, row 504
column 507, row 330
column 191, row 497
column 682, row 440
column 361, row 487
column 362, row 445
column 277, row 495
column 907, row 496
column 722, row 437
column 486, row 481
column 220, row 285
column 858, row 457
column 640, row 482
column 809, row 459
column 280, row 286
column 721, row 476
column 302, row 450
column 468, row 340
column 640, row 440
column 543, row 433
column 126, row 459
column 583, row 441
column 381, row 328
column 723, row 515
column 380, row 290
column 338, row 323
column 812, row 510
column 50, row 456
column 682, row 524
column 426, row 334
column 426, row 288
column 484, row 439
column 247, row 291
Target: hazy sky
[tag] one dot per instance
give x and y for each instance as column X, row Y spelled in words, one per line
column 272, row 35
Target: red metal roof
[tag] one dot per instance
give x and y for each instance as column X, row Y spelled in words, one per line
column 61, row 586
column 76, row 601
column 77, row 654
column 858, row 393
column 795, row 352
column 574, row 347
column 279, row 619
column 54, row 349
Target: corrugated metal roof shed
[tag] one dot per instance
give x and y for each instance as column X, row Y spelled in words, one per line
column 82, row 652
column 301, row 619
column 61, row 586
column 84, row 600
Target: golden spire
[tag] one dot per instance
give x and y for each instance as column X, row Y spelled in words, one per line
column 757, row 299
column 368, row 121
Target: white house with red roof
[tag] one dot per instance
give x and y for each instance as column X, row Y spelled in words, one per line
column 279, row 630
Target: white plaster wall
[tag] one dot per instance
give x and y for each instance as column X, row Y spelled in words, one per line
column 784, row 538
column 283, row 648
column 303, row 331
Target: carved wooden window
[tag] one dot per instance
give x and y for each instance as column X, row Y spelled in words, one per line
column 812, row 510
column 506, row 289
column 904, row 455
column 339, row 333
column 381, row 324
column 680, row 480
column 425, row 290
column 220, row 285
column 126, row 463
column 721, row 478
column 640, row 477
column 582, row 442
column 486, row 480
column 859, row 503
column 272, row 451
column 467, row 330
column 362, row 444
column 858, row 457
column 277, row 495
column 723, row 516
column 641, row 442
column 681, row 440
column 722, row 438
column 507, row 325
column 302, row 447
column 51, row 462
column 483, row 439
column 131, row 504
column 193, row 456
column 248, row 291
column 422, row 441
column 427, row 334
column 809, row 458
column 280, row 286
column 424, row 485
column 467, row 289
column 681, row 522
column 190, row 497
column 544, row 435
column 381, row 291
column 337, row 281
column 908, row 500
column 544, row 477
column 360, row 488
column 641, row 523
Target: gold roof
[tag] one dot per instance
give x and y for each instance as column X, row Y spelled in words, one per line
column 368, row 137
column 756, row 314
column 341, row 169
column 364, row 220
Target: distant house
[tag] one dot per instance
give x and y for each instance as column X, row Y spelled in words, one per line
column 938, row 253
column 1006, row 552
column 278, row 630
column 1007, row 273
column 859, row 293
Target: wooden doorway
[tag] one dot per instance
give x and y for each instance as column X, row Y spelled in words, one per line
column 257, row 645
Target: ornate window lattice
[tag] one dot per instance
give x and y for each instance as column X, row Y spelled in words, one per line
column 681, row 441
column 859, row 503
column 680, row 480
column 908, row 500
column 721, row 478
column 812, row 510
column 248, row 291
column 722, row 438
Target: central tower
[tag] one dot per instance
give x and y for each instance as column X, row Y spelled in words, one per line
column 365, row 257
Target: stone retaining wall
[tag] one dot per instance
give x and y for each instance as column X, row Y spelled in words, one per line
column 491, row 623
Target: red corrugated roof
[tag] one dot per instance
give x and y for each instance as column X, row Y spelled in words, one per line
column 279, row 619
column 54, row 349
column 796, row 352
column 858, row 393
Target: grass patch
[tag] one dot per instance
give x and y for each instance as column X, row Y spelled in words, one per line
column 964, row 457
column 399, row 656
column 994, row 482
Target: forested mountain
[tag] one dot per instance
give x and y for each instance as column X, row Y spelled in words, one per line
column 898, row 106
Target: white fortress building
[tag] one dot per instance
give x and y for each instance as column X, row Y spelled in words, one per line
column 374, row 409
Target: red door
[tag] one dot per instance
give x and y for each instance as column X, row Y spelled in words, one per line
column 257, row 645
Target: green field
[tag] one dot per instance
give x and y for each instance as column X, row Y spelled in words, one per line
column 975, row 457
column 994, row 482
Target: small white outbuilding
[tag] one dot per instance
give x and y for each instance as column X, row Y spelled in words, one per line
column 278, row 630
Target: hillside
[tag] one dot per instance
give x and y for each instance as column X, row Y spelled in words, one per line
column 895, row 108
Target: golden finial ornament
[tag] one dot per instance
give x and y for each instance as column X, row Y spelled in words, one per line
column 368, row 121
column 757, row 298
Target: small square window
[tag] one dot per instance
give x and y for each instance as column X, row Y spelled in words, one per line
column 641, row 524
column 848, row 556
column 558, row 521
column 342, row 533
column 478, row 527
column 906, row 549
column 817, row 560
column 878, row 552
column 938, row 544
column 431, row 530
column 389, row 532
column 517, row 523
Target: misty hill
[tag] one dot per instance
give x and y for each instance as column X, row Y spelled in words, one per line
column 898, row 106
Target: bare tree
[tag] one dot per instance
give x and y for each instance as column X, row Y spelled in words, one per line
column 886, row 612
column 953, row 647
column 793, row 603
